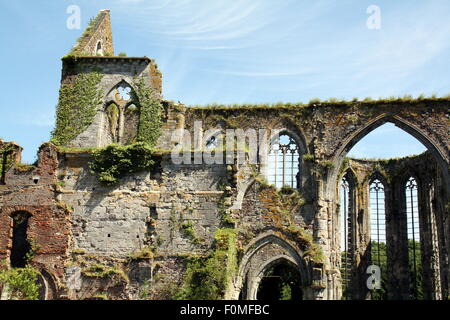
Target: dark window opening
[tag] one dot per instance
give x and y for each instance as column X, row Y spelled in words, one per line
column 280, row 282
column 99, row 49
column 21, row 246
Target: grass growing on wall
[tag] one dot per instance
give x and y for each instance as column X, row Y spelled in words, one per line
column 76, row 107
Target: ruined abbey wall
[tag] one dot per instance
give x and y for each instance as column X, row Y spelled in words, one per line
column 145, row 236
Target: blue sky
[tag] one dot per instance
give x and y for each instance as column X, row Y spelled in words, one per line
column 245, row 51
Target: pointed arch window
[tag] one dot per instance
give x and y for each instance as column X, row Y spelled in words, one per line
column 413, row 232
column 283, row 162
column 377, row 221
column 378, row 233
column 123, row 114
column 347, row 209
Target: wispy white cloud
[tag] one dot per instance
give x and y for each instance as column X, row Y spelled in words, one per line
column 129, row 1
column 263, row 74
column 35, row 119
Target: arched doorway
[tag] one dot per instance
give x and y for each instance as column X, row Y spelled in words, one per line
column 20, row 244
column 270, row 257
column 281, row 281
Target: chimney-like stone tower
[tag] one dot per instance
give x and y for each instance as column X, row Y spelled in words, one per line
column 97, row 38
column 97, row 103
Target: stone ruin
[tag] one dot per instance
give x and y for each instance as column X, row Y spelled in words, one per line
column 229, row 229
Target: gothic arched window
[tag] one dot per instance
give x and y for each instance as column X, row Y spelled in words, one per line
column 123, row 114
column 345, row 224
column 413, row 231
column 377, row 221
column 283, row 162
column 378, row 233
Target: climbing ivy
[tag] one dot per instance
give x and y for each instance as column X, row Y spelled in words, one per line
column 207, row 278
column 5, row 151
column 115, row 161
column 76, row 107
column 150, row 121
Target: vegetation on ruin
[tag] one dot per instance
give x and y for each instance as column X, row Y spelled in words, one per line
column 390, row 161
column 88, row 32
column 388, row 168
column 34, row 246
column 315, row 102
column 223, row 205
column 75, row 150
column 281, row 205
column 144, row 253
column 100, row 296
column 150, row 121
column 5, row 151
column 25, row 167
column 94, row 266
column 21, row 283
column 207, row 278
column 98, row 270
column 307, row 157
column 187, row 228
column 115, row 161
column 65, row 207
column 77, row 106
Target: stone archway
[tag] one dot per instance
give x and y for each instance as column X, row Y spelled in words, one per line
column 386, row 235
column 48, row 289
column 434, row 147
column 279, row 279
column 264, row 252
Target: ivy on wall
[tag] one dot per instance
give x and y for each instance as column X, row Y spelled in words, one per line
column 5, row 152
column 150, row 121
column 115, row 161
column 76, row 107
column 206, row 278
column 76, row 110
